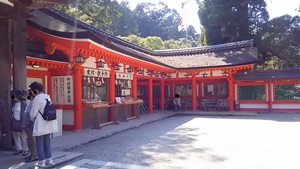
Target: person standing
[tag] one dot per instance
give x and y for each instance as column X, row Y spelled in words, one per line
column 41, row 128
column 177, row 102
column 27, row 126
column 19, row 135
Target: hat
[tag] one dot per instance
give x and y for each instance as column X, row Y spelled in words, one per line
column 18, row 94
column 36, row 86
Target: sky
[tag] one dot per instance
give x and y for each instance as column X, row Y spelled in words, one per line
column 275, row 8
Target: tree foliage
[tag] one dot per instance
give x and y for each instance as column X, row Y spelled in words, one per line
column 124, row 23
column 145, row 20
column 231, row 20
column 157, row 20
column 98, row 13
column 156, row 43
column 279, row 44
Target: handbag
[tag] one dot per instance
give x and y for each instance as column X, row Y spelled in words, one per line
column 15, row 125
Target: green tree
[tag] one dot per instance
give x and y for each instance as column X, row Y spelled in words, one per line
column 152, row 43
column 156, row 43
column 280, row 43
column 124, row 23
column 231, row 20
column 177, row 44
column 158, row 21
column 132, row 39
column 98, row 13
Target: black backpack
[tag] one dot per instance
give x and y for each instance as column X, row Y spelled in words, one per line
column 49, row 111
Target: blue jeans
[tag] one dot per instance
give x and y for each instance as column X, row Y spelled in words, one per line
column 43, row 147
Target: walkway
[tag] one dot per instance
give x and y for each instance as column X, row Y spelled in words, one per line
column 71, row 139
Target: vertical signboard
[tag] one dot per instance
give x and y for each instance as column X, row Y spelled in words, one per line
column 62, row 90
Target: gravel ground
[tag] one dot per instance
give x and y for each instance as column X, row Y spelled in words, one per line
column 267, row 141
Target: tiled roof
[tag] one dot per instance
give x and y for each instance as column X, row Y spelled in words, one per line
column 235, row 53
column 268, row 74
column 228, row 57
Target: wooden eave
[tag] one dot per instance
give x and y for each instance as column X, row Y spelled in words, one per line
column 46, row 63
column 87, row 48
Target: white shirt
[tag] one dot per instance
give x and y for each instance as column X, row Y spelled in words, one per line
column 177, row 101
column 17, row 111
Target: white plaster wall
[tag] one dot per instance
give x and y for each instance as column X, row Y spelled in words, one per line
column 182, row 75
column 173, row 75
column 59, row 122
column 217, row 73
column 90, row 63
column 286, row 106
column 68, row 117
column 200, row 74
column 145, row 72
column 254, row 106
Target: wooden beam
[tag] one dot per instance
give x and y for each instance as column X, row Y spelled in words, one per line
column 19, row 51
column 5, row 76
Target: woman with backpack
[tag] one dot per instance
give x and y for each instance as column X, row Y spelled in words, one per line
column 42, row 129
column 27, row 126
column 18, row 108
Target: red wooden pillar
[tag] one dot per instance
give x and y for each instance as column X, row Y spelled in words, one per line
column 112, row 94
column 162, row 94
column 270, row 95
column 77, row 97
column 49, row 84
column 150, row 88
column 134, row 91
column 194, row 92
column 230, row 92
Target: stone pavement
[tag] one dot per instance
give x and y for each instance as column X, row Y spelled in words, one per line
column 71, row 139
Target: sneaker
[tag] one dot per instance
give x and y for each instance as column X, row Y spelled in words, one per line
column 49, row 162
column 40, row 164
column 18, row 152
column 25, row 153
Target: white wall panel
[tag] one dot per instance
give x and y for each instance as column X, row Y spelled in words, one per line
column 254, row 106
column 68, row 117
column 286, row 106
